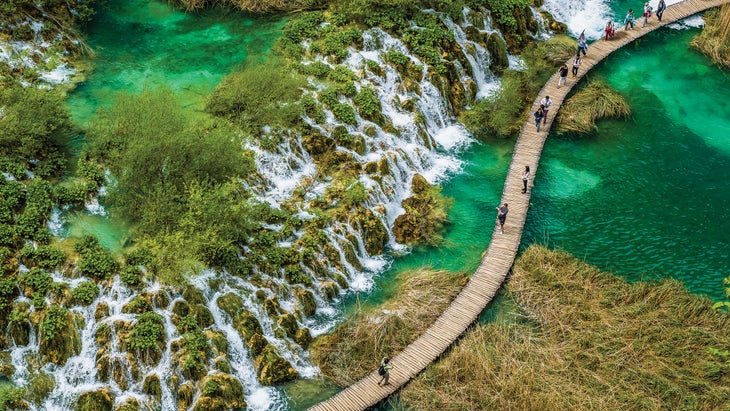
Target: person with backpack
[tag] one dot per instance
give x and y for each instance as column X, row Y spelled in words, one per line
column 384, row 370
column 502, row 216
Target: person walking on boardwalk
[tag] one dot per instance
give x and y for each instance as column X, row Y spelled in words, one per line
column 660, row 9
column 384, row 370
column 563, row 75
column 629, row 20
column 539, row 115
column 525, row 177
column 576, row 64
column 545, row 103
column 502, row 216
column 647, row 14
column 610, row 29
column 582, row 45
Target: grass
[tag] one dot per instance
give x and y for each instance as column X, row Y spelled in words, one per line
column 584, row 340
column 714, row 41
column 355, row 348
column 593, row 102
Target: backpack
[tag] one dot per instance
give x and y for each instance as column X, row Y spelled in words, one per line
column 381, row 370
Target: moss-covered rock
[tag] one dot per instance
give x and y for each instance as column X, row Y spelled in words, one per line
column 329, row 290
column 497, row 49
column 102, row 311
column 272, row 369
column 203, row 316
column 99, row 400
column 137, row 305
column 289, row 324
column 306, row 299
column 552, row 24
column 19, row 325
column 39, row 387
column 247, row 325
column 218, row 342
column 256, row 344
column 373, row 232
column 230, row 303
column 152, row 387
column 130, row 404
column 272, row 306
column 426, row 214
column 59, row 337
column 181, row 308
column 6, row 366
column 220, row 392
column 193, row 296
column 303, row 337
column 185, row 395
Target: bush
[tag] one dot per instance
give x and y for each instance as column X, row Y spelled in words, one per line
column 130, row 276
column 53, row 322
column 345, row 113
column 146, row 332
column 368, row 105
column 38, row 280
column 85, row 293
column 260, row 94
column 99, row 264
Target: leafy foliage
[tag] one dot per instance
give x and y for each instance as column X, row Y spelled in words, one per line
column 146, row 332
column 85, row 293
column 96, row 261
column 53, row 322
column 368, row 105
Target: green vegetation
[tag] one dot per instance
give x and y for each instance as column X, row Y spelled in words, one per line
column 355, row 347
column 85, row 293
column 584, row 340
column 11, row 398
column 593, row 102
column 426, row 214
column 96, row 261
column 59, row 337
column 260, row 94
column 714, row 40
column 503, row 113
column 147, row 332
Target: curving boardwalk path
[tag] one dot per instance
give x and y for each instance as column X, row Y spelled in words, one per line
column 500, row 256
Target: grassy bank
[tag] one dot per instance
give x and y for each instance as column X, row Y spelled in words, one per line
column 584, row 340
column 714, row 41
column 355, row 348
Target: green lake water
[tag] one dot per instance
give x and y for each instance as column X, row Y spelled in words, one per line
column 644, row 198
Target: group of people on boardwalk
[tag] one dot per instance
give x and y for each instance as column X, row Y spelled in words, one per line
column 629, row 20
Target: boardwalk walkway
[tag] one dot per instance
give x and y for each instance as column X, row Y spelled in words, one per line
column 498, row 260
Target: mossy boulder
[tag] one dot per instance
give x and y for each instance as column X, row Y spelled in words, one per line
column 289, row 324
column 256, row 344
column 272, row 369
column 181, row 308
column 497, row 49
column 317, row 144
column 230, row 303
column 220, row 392
column 218, row 342
column 552, row 24
column 130, row 404
column 329, row 290
column 19, row 325
column 59, row 337
column 373, row 232
column 6, row 365
column 247, row 324
column 303, row 337
column 203, row 316
column 272, row 306
column 152, row 387
column 193, row 296
column 185, row 395
column 426, row 214
column 39, row 387
column 102, row 311
column 306, row 299
column 99, row 400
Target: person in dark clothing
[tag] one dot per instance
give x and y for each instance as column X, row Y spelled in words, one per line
column 539, row 115
column 502, row 216
column 660, row 9
column 525, row 177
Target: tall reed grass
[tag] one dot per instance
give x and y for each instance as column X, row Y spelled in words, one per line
column 584, row 340
column 714, row 41
column 593, row 102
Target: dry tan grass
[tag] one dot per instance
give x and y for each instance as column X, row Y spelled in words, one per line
column 355, row 348
column 595, row 101
column 714, row 41
column 584, row 340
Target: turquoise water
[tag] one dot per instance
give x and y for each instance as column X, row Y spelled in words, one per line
column 647, row 197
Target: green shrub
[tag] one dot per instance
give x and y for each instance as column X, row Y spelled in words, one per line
column 99, row 264
column 312, row 108
column 130, row 276
column 146, row 332
column 397, row 58
column 355, row 194
column 260, row 94
column 11, row 398
column 8, row 291
column 85, row 293
column 53, row 322
column 342, row 74
column 345, row 113
column 38, row 280
column 368, row 104
column 329, row 98
column 139, row 256
column 315, row 68
column 46, row 257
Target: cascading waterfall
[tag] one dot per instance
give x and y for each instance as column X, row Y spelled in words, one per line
column 427, row 142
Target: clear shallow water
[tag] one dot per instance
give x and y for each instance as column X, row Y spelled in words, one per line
column 647, row 197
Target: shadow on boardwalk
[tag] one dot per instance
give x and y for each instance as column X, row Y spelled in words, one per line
column 500, row 256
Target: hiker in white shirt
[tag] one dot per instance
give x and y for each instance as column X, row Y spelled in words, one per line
column 546, row 103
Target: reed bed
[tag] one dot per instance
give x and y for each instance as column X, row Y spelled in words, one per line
column 584, row 340
column 354, row 348
column 714, row 40
column 593, row 102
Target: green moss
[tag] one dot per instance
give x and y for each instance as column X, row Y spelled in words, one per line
column 99, row 400
column 147, row 332
column 130, row 276
column 138, row 305
column 59, row 337
column 230, row 303
column 220, row 392
column 289, row 324
column 272, row 369
column 306, row 299
column 39, row 387
column 85, row 293
column 246, row 324
column 11, row 398
column 152, row 387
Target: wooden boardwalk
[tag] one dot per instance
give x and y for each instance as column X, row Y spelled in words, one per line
column 500, row 256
